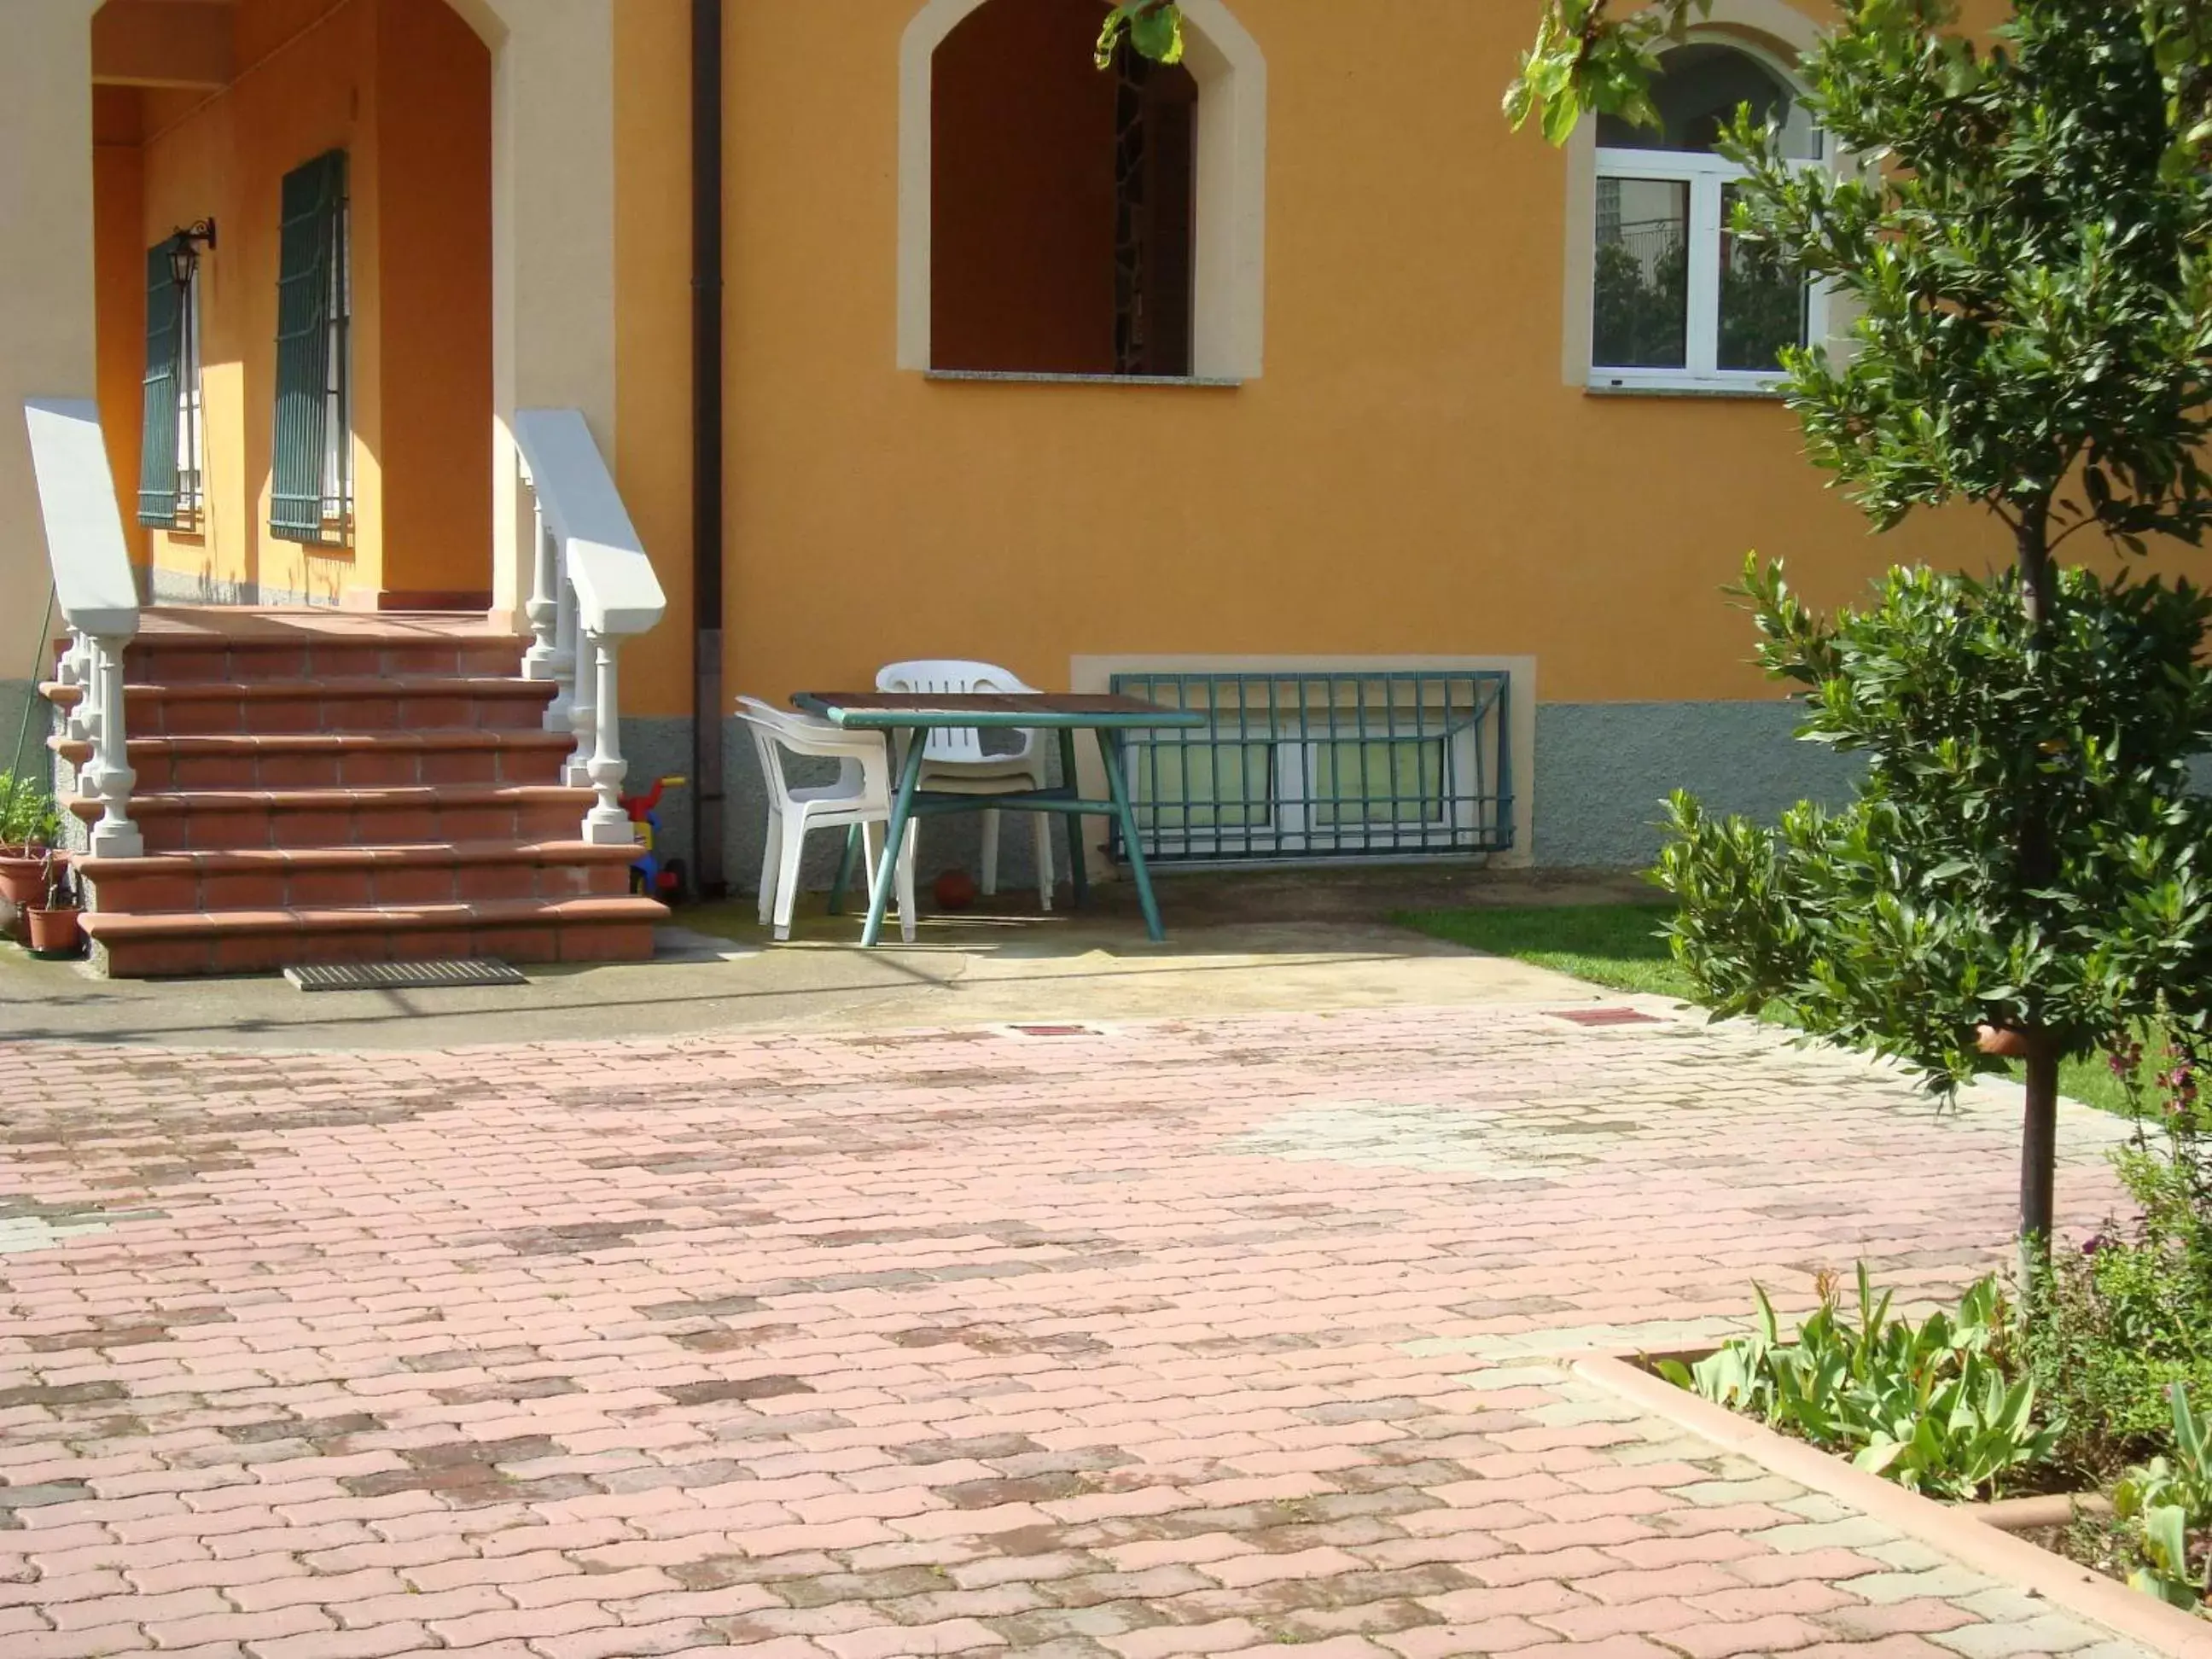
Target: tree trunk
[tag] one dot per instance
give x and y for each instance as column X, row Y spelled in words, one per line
column 2038, row 1142
column 2039, row 1157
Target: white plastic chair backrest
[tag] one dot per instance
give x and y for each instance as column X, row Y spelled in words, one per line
column 863, row 761
column 950, row 677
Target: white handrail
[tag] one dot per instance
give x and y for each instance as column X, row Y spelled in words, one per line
column 99, row 597
column 592, row 586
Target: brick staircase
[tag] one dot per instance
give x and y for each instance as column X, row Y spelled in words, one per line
column 318, row 787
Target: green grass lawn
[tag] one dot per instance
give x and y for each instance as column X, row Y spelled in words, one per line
column 1620, row 945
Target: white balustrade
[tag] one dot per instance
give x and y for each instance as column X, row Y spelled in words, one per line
column 99, row 597
column 592, row 587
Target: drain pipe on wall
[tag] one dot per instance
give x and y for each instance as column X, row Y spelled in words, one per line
column 709, row 880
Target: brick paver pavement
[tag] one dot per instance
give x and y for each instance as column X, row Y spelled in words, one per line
column 1205, row 1337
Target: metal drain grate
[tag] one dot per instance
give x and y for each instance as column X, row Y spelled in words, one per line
column 401, row 976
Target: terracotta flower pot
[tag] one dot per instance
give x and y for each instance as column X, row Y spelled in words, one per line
column 55, row 932
column 2003, row 1044
column 22, row 873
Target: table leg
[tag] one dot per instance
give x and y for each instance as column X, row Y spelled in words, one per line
column 1077, row 873
column 845, row 871
column 1109, row 749
column 894, row 839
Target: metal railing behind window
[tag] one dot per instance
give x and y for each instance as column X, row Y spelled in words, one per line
column 1323, row 765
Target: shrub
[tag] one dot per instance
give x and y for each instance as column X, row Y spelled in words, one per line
column 2127, row 1317
column 1931, row 1406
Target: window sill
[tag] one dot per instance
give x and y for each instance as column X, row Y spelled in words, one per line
column 1025, row 378
column 1747, row 394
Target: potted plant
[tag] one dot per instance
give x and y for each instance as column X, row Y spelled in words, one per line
column 28, row 825
column 54, row 924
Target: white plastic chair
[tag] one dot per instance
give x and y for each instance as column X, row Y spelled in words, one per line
column 954, row 761
column 861, row 795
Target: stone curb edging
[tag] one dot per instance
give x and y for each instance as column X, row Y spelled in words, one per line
column 2063, row 1583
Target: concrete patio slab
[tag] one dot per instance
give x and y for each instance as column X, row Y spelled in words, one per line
column 1246, row 944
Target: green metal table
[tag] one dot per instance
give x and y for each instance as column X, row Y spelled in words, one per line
column 1106, row 717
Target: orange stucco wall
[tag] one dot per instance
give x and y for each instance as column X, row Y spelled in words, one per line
column 404, row 88
column 1410, row 475
column 433, row 277
column 119, row 207
column 652, row 333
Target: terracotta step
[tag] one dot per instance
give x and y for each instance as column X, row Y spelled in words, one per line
column 133, row 945
column 232, row 820
column 355, row 760
column 290, row 878
column 269, row 706
column 172, row 660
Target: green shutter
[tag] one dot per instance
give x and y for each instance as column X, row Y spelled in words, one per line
column 308, row 258
column 157, row 438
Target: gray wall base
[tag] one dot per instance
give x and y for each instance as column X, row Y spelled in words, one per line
column 1605, row 770
column 163, row 586
column 18, row 697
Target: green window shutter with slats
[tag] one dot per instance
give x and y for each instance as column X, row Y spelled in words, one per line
column 157, row 439
column 309, row 252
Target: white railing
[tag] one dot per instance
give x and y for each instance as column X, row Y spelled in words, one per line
column 99, row 597
column 591, row 586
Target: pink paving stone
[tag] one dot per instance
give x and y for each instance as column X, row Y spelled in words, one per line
column 842, row 1321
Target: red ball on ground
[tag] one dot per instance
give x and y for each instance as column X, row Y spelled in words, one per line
column 955, row 890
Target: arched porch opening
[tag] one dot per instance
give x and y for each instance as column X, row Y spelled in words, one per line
column 293, row 245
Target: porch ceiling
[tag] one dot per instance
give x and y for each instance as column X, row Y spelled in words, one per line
column 163, row 43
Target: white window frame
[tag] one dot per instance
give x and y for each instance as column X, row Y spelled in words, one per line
column 192, row 413
column 337, row 479
column 1708, row 177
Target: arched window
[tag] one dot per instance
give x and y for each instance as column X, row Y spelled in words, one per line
column 1060, row 199
column 1675, row 300
column 1056, row 220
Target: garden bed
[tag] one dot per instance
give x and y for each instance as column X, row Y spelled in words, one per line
column 1959, row 1530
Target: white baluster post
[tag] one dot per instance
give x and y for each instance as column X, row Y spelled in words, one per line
column 114, row 836
column 544, row 610
column 574, row 704
column 76, row 670
column 84, row 720
column 606, row 824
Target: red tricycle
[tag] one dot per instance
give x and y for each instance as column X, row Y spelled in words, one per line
column 650, row 874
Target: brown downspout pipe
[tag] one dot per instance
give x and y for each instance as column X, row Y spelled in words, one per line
column 709, row 879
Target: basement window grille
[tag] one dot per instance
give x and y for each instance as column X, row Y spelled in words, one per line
column 1298, row 766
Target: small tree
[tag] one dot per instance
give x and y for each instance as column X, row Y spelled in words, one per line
column 2026, row 243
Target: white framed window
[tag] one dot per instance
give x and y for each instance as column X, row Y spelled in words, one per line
column 1676, row 301
column 191, row 410
column 338, row 392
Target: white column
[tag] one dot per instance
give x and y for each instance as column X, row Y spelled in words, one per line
column 553, row 240
column 46, row 257
column 607, row 824
column 544, row 610
column 114, row 836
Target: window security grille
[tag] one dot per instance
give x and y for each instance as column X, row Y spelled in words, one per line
column 1299, row 766
column 311, row 497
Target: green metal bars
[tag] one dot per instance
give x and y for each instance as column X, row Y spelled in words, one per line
column 158, row 433
column 1296, row 766
column 311, row 485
